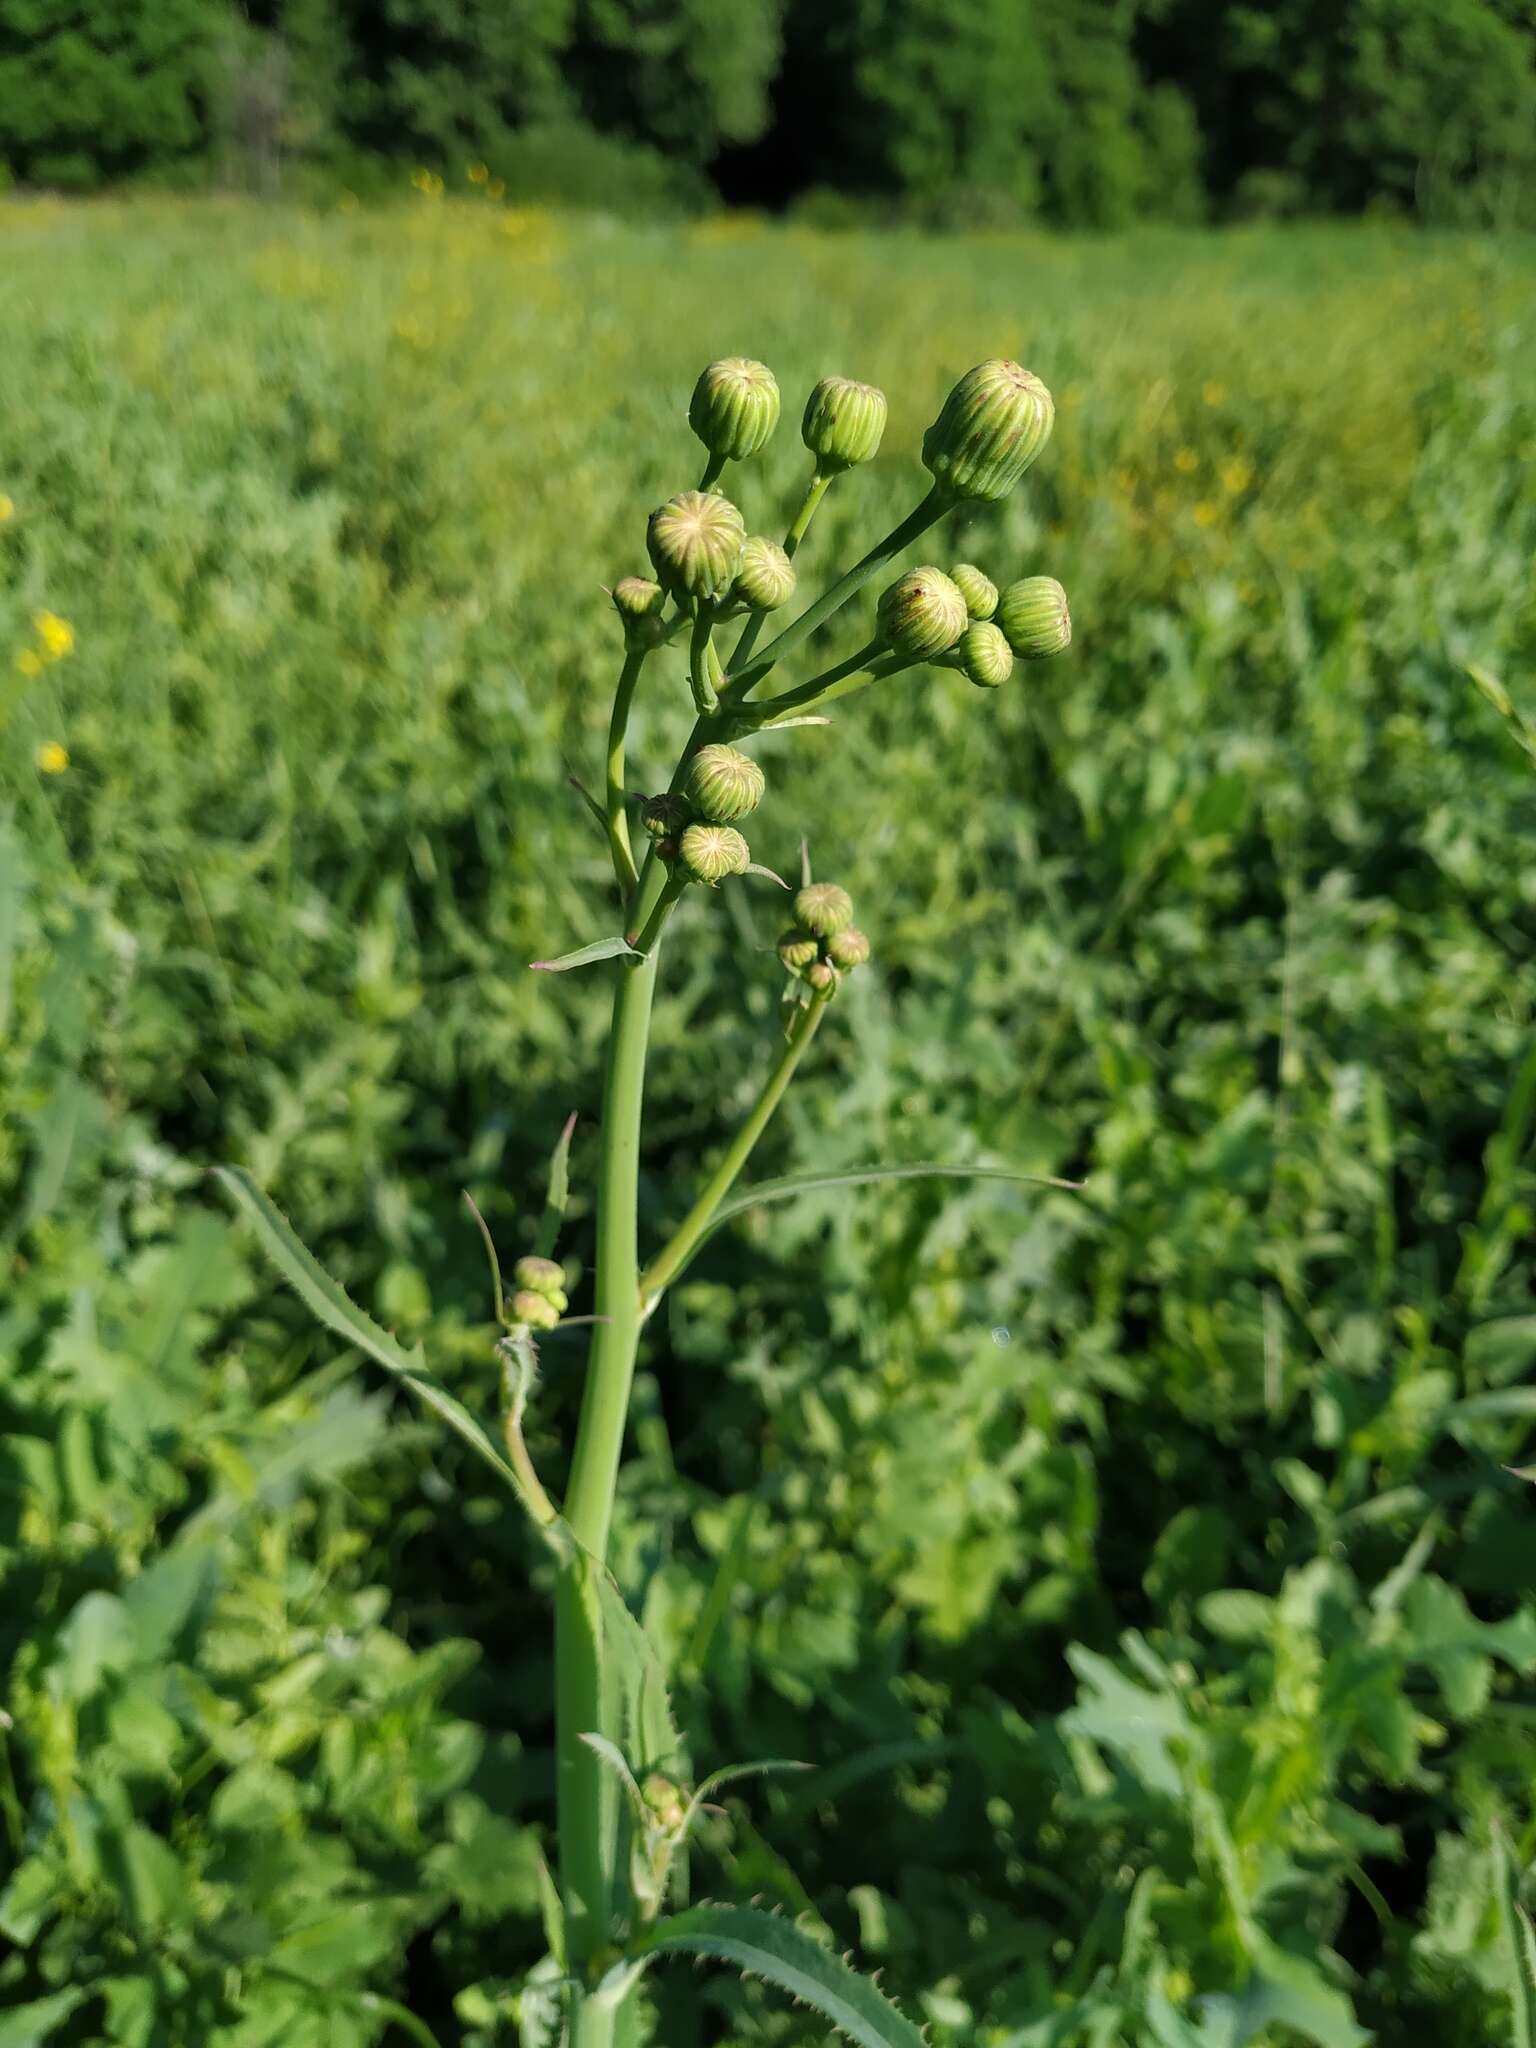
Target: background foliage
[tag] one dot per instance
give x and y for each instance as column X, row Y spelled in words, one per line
column 1083, row 112
column 1140, row 1569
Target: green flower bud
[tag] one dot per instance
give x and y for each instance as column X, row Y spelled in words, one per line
column 766, row 578
column 824, row 908
column 797, row 950
column 664, row 816
column 735, row 407
column 843, row 423
column 541, row 1276
column 822, row 977
column 921, row 614
column 979, row 591
column 992, row 426
column 665, row 1799
column 848, row 948
column 711, row 852
column 639, row 603
column 533, row 1311
column 723, row 783
column 1033, row 613
column 984, row 656
column 695, row 541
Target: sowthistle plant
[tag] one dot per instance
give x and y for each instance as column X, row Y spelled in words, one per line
column 625, row 1810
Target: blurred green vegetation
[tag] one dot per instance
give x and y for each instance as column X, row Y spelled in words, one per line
column 1140, row 1568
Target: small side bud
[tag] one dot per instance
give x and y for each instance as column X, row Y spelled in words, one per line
column 848, row 949
column 542, row 1276
column 992, row 426
column 824, row 908
column 533, row 1311
column 1033, row 613
column 766, row 578
column 639, row 603
column 921, row 614
column 724, row 783
column 695, row 542
column 798, row 950
column 735, row 407
column 711, row 852
column 843, row 423
column 666, row 1800
column 979, row 591
column 984, row 656
column 664, row 816
column 822, row 977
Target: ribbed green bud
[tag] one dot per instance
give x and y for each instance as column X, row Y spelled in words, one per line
column 1033, row 613
column 979, row 591
column 735, row 407
column 984, row 656
column 797, row 949
column 664, row 816
column 992, row 426
column 843, row 423
column 921, row 614
column 695, row 540
column 541, row 1276
column 639, row 603
column 533, row 1311
column 766, row 578
column 711, row 852
column 824, row 908
column 848, row 948
column 822, row 977
column 723, row 783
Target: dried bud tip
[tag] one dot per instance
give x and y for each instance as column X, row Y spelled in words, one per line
column 533, row 1311
column 921, row 614
column 664, row 816
column 843, row 423
column 766, row 578
column 695, row 542
column 824, row 908
column 979, row 591
column 1033, row 613
column 992, row 426
column 711, row 852
column 723, row 783
column 798, row 950
column 848, row 949
column 735, row 407
column 822, row 977
column 984, row 656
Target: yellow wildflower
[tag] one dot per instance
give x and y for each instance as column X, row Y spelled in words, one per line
column 52, row 759
column 478, row 174
column 497, row 188
column 1206, row 513
column 1185, row 461
column 56, row 634
column 347, row 203
column 30, row 662
column 1236, row 476
column 1213, row 393
column 7, row 508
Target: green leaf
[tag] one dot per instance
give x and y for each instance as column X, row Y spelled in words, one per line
column 25, row 2026
column 1519, row 1945
column 636, row 1670
column 762, row 1945
column 587, row 956
column 327, row 1300
column 559, row 1186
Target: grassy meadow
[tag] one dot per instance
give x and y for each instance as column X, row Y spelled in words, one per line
column 1140, row 1568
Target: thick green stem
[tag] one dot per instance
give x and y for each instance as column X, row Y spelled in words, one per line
column 670, row 1261
column 815, row 491
column 618, row 726
column 917, row 521
column 700, row 675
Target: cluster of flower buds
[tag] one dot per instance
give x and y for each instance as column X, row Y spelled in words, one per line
column 961, row 621
column 823, row 944
column 540, row 1300
column 701, row 550
column 696, row 825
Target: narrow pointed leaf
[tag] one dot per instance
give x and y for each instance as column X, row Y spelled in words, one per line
column 559, row 1186
column 326, row 1299
column 1519, row 1944
column 587, row 956
column 763, row 1945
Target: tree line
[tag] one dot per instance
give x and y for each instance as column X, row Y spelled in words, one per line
column 1083, row 113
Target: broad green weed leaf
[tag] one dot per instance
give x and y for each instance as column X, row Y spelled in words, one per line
column 763, row 1945
column 327, row 1300
column 28, row 2026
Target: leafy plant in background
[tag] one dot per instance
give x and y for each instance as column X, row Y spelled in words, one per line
column 625, row 1810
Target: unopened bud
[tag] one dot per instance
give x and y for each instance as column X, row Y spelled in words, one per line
column 992, row 426
column 724, row 783
column 984, row 656
column 797, row 950
column 766, row 578
column 848, row 948
column 533, row 1311
column 979, row 591
column 711, row 852
column 843, row 423
column 665, row 1799
column 824, row 908
column 664, row 816
column 1033, row 613
column 639, row 603
column 822, row 977
column 541, row 1276
column 695, row 541
column 735, row 407
column 921, row 614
